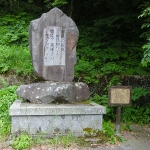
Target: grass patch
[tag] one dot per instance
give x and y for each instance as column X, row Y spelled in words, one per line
column 64, row 141
column 22, row 141
column 7, row 97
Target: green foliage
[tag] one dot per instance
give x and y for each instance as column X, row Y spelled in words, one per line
column 15, row 55
column 139, row 92
column 137, row 113
column 21, row 142
column 7, row 97
column 59, row 2
column 104, row 46
column 109, row 130
column 103, row 100
column 115, row 80
column 85, row 70
column 146, row 25
column 146, row 58
column 111, row 67
column 15, row 59
column 14, row 28
column 97, row 57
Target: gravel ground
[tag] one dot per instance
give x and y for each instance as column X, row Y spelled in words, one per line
column 138, row 139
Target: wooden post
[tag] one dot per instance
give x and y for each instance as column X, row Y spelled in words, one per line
column 118, row 118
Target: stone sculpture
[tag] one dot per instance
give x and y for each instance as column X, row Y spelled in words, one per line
column 53, row 40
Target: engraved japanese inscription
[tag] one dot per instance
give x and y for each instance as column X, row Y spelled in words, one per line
column 54, row 46
column 120, row 95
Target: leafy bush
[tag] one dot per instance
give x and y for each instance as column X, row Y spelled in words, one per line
column 146, row 25
column 15, row 56
column 111, row 67
column 96, row 57
column 103, row 100
column 109, row 130
column 137, row 113
column 14, row 28
column 15, row 59
column 86, row 70
column 59, row 2
column 22, row 142
column 139, row 92
column 113, row 81
column 7, row 97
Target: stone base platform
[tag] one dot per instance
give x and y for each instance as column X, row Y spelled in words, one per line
column 52, row 119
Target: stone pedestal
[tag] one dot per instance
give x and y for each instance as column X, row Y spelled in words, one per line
column 52, row 119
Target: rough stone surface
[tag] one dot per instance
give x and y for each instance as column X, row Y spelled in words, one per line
column 47, row 92
column 55, row 119
column 27, row 109
column 53, row 39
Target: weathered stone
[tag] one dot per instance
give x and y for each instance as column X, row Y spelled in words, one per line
column 53, row 39
column 54, row 119
column 48, row 92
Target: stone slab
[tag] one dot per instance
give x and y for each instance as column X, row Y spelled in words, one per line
column 55, row 119
column 53, row 38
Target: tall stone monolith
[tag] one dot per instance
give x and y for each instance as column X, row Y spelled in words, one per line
column 53, row 39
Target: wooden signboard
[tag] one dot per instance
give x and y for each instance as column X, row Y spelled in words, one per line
column 119, row 95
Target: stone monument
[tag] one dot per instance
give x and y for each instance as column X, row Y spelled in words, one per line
column 56, row 101
column 53, row 39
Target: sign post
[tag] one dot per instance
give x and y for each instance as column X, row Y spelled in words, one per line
column 118, row 118
column 119, row 96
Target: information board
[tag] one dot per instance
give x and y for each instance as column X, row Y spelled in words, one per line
column 119, row 95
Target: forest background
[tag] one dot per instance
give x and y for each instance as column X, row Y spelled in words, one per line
column 114, row 40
